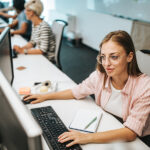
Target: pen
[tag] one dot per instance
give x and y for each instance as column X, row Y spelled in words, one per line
column 36, row 83
column 94, row 119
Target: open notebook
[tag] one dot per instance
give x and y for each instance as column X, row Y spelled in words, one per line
column 86, row 120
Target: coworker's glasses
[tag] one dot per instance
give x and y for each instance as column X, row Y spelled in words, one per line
column 101, row 59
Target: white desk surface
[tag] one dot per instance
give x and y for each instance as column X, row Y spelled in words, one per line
column 18, row 40
column 38, row 68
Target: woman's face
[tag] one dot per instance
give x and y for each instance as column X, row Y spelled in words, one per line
column 29, row 13
column 114, row 59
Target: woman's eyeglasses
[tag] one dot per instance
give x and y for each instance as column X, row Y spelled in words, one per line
column 101, row 59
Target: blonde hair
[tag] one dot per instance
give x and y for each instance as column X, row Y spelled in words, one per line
column 35, row 5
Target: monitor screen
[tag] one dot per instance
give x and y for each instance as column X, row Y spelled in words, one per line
column 6, row 64
column 18, row 129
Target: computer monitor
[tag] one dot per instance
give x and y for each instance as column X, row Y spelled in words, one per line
column 18, row 129
column 6, row 64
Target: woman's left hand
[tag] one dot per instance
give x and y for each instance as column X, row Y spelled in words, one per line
column 18, row 49
column 75, row 137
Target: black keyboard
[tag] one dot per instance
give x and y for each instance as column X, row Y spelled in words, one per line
column 52, row 127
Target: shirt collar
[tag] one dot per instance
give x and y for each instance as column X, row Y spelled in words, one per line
column 107, row 84
column 125, row 90
column 127, row 87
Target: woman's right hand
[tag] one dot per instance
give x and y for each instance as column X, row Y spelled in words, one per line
column 38, row 98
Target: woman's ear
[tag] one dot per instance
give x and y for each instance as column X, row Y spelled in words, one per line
column 130, row 57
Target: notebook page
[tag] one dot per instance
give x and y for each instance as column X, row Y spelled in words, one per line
column 83, row 117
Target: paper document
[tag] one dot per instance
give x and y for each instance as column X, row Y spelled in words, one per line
column 86, row 120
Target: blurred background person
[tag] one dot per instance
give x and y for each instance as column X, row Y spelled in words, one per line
column 20, row 25
column 4, row 12
column 42, row 38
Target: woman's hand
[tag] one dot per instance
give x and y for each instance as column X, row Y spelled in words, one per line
column 38, row 98
column 75, row 137
column 18, row 49
column 14, row 16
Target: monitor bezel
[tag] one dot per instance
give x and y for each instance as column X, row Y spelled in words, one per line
column 23, row 115
column 3, row 35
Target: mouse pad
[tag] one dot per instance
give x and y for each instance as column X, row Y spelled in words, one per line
column 21, row 68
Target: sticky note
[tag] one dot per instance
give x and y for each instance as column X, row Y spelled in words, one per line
column 24, row 90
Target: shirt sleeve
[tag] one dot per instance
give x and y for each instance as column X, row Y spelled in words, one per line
column 32, row 41
column 44, row 38
column 22, row 17
column 140, row 111
column 87, row 87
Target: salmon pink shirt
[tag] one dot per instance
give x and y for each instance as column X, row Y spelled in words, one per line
column 135, row 99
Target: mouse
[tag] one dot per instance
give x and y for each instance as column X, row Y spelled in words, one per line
column 14, row 54
column 28, row 101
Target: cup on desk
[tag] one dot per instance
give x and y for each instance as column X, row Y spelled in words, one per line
column 44, row 87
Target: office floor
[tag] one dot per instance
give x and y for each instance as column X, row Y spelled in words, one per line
column 77, row 62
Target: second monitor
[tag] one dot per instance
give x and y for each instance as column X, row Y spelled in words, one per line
column 18, row 129
column 6, row 63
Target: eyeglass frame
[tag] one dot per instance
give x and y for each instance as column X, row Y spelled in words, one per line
column 99, row 59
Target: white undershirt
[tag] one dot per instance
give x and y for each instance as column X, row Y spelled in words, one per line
column 114, row 104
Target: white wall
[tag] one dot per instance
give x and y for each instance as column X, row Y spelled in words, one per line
column 92, row 26
column 133, row 9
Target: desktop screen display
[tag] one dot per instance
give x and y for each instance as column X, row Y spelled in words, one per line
column 6, row 64
column 18, row 129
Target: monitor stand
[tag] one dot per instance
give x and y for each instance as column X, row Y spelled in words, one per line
column 14, row 54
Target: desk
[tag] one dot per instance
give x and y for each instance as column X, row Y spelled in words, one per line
column 17, row 40
column 38, row 68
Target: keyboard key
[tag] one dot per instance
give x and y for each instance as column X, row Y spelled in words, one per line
column 52, row 127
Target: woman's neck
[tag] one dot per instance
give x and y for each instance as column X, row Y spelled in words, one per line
column 119, row 82
column 36, row 21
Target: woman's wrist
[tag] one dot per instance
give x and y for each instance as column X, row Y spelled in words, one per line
column 46, row 97
column 89, row 137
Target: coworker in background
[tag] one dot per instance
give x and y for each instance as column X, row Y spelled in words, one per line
column 6, row 15
column 120, row 89
column 21, row 25
column 42, row 38
column 3, row 12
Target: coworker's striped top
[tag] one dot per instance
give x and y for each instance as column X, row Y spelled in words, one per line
column 43, row 38
column 135, row 99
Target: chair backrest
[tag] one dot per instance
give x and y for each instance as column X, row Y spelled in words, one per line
column 143, row 61
column 58, row 28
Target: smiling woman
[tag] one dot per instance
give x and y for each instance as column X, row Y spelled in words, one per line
column 121, row 41
column 117, row 58
column 116, row 82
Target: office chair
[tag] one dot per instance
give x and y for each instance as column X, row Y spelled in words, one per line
column 143, row 61
column 146, row 51
column 58, row 28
